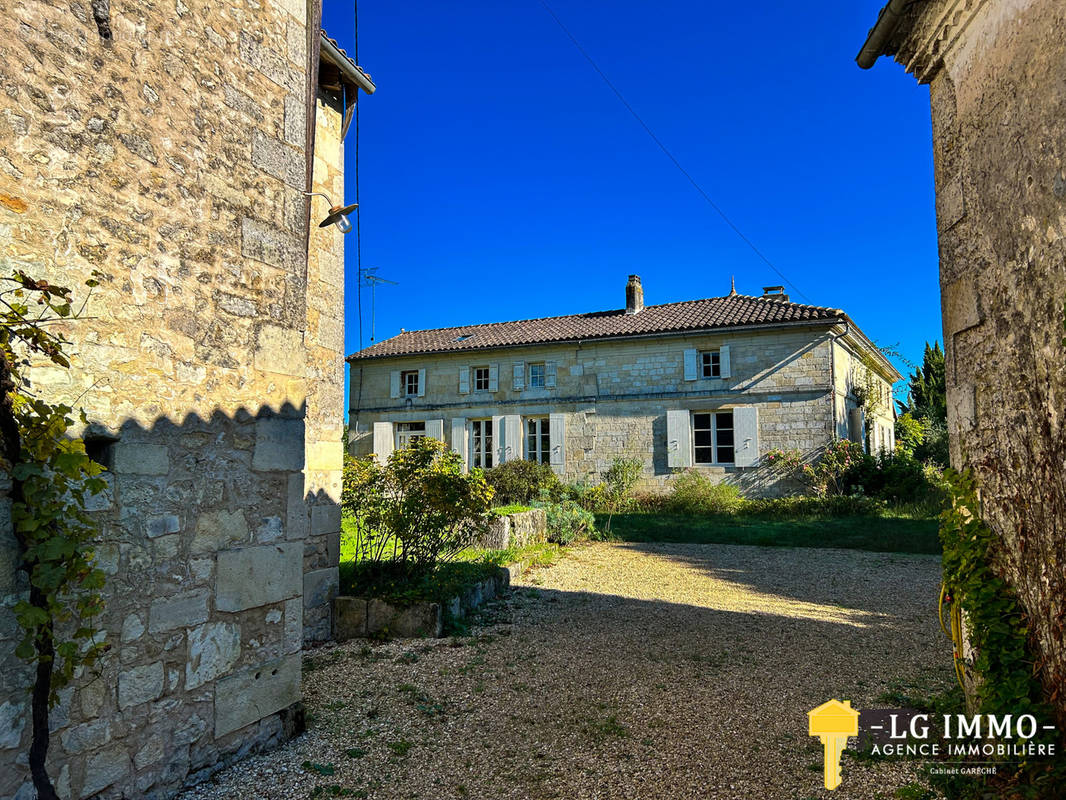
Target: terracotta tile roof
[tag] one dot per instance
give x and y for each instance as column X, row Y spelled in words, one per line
column 730, row 311
column 344, row 55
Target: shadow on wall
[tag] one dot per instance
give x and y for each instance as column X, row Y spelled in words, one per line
column 220, row 565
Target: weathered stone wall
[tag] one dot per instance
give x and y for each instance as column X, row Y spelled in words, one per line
column 171, row 157
column 615, row 395
column 996, row 79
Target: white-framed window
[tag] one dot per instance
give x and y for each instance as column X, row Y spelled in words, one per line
column 538, row 375
column 712, row 438
column 409, row 382
column 481, row 379
column 408, row 432
column 481, row 442
column 538, row 440
column 710, row 363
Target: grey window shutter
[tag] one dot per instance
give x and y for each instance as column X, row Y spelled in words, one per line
column 383, row 441
column 855, row 424
column 464, row 380
column 494, row 377
column 519, row 376
column 435, row 429
column 421, row 383
column 394, row 383
column 499, row 443
column 459, row 438
column 512, row 438
column 723, row 355
column 746, row 436
column 549, row 374
column 557, row 435
column 678, row 435
column 690, row 365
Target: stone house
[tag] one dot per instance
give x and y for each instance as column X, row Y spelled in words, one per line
column 995, row 74
column 711, row 384
column 169, row 146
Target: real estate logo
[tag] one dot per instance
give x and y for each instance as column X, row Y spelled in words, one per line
column 833, row 722
column 909, row 733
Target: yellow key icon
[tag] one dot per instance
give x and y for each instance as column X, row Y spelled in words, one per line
column 833, row 722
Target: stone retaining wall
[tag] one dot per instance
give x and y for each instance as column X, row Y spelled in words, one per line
column 516, row 530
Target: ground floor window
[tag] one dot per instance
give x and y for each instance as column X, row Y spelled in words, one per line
column 408, row 432
column 712, row 438
column 538, row 440
column 481, row 443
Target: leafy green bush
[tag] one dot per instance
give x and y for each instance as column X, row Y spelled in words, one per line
column 416, row 510
column 823, row 474
column 897, row 478
column 522, row 481
column 568, row 521
column 694, row 493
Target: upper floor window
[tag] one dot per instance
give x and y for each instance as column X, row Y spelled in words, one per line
column 409, row 382
column 408, row 432
column 481, row 379
column 712, row 438
column 538, row 375
column 710, row 364
column 538, row 440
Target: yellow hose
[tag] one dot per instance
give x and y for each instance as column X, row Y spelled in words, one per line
column 955, row 633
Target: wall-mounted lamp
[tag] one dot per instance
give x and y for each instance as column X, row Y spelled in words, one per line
column 338, row 215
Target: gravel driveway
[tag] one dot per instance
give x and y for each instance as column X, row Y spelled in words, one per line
column 624, row 671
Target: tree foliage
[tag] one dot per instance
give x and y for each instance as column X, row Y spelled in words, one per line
column 417, row 509
column 51, row 478
column 922, row 427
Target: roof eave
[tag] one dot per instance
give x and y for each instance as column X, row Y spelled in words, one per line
column 888, row 21
column 347, row 67
column 355, row 357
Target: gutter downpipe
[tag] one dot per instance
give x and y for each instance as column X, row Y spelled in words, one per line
column 887, row 22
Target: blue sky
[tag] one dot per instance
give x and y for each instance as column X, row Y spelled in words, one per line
column 500, row 178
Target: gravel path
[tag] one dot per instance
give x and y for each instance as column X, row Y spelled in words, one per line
column 624, row 671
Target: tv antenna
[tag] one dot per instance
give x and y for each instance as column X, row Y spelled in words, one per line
column 371, row 279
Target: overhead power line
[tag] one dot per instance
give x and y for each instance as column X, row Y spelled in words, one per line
column 667, row 152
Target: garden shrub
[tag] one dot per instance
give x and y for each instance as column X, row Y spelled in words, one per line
column 801, row 506
column 568, row 521
column 824, row 473
column 694, row 493
column 522, row 481
column 417, row 510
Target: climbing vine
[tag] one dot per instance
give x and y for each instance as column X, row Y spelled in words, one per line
column 52, row 478
column 1003, row 671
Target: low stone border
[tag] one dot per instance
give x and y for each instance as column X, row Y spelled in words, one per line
column 520, row 529
column 362, row 617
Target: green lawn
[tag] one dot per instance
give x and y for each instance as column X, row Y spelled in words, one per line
column 880, row 534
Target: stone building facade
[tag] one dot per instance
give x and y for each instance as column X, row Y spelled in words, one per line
column 711, row 384
column 169, row 146
column 995, row 75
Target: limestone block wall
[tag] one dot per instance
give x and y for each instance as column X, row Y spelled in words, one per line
column 999, row 146
column 170, row 155
column 615, row 394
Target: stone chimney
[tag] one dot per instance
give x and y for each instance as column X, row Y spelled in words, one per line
column 634, row 295
column 774, row 293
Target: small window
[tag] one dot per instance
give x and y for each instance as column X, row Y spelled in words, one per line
column 537, row 375
column 711, row 364
column 408, row 432
column 712, row 438
column 538, row 440
column 481, row 379
column 409, row 382
column 481, row 441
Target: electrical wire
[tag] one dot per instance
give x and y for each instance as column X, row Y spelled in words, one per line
column 358, row 227
column 669, row 155
column 955, row 633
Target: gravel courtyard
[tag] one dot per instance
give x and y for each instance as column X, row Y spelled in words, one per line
column 624, row 671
